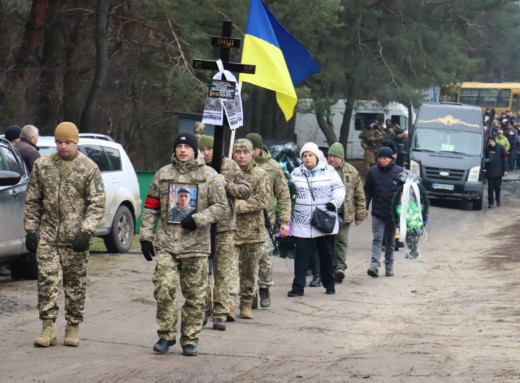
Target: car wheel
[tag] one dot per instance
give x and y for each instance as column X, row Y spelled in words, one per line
column 477, row 203
column 25, row 268
column 122, row 235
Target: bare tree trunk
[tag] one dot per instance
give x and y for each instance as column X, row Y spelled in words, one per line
column 101, row 40
column 4, row 46
column 326, row 127
column 49, row 110
column 75, row 33
column 14, row 89
column 28, row 53
column 345, row 124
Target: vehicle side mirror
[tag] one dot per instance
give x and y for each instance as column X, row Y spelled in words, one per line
column 9, row 178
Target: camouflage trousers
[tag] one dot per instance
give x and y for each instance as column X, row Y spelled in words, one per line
column 223, row 261
column 54, row 263
column 340, row 247
column 192, row 272
column 234, row 276
column 265, row 263
column 248, row 255
column 370, row 158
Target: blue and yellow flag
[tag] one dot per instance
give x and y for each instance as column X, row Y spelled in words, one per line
column 281, row 61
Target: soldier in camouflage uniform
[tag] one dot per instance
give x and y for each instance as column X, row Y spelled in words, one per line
column 279, row 194
column 237, row 187
column 372, row 138
column 250, row 220
column 182, row 249
column 352, row 210
column 64, row 203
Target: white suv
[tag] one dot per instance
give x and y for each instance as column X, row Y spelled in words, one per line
column 123, row 202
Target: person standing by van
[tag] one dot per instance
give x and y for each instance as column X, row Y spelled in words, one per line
column 383, row 179
column 372, row 138
column 496, row 168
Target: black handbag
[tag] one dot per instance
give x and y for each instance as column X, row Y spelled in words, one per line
column 321, row 220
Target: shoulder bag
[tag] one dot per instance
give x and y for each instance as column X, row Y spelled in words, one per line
column 320, row 219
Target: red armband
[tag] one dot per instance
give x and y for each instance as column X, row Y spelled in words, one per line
column 152, row 203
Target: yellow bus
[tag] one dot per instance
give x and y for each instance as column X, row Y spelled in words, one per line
column 500, row 96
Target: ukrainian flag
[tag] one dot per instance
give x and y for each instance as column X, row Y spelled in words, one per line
column 281, row 61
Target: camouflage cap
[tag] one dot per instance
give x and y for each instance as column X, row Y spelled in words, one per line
column 183, row 189
column 243, row 144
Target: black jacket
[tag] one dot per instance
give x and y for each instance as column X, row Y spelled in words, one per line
column 28, row 151
column 380, row 186
column 496, row 161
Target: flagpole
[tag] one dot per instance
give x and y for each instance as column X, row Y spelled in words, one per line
column 231, row 142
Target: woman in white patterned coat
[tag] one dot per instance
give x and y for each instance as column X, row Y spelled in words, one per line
column 318, row 185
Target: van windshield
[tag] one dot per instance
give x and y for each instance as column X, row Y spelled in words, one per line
column 447, row 141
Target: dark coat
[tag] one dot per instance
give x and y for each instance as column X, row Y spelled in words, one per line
column 380, row 186
column 496, row 161
column 28, row 152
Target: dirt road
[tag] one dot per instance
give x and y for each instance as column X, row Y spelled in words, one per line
column 451, row 316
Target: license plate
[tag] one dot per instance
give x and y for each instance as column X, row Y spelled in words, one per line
column 443, row 187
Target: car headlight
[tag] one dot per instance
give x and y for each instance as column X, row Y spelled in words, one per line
column 474, row 174
column 415, row 168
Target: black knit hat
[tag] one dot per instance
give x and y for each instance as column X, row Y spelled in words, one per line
column 13, row 132
column 385, row 151
column 187, row 138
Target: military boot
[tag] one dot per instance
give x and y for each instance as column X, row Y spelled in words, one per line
column 245, row 309
column 254, row 305
column 265, row 298
column 48, row 336
column 231, row 313
column 72, row 335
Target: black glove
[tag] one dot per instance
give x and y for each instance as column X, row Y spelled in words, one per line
column 188, row 223
column 330, row 206
column 81, row 242
column 147, row 250
column 31, row 242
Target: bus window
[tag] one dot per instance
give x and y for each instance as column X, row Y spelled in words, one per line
column 488, row 98
column 515, row 105
column 504, row 98
column 469, row 96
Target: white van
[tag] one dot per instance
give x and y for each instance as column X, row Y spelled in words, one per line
column 364, row 113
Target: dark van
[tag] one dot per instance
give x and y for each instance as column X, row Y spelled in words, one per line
column 447, row 151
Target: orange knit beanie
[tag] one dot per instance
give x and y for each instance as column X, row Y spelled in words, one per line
column 66, row 131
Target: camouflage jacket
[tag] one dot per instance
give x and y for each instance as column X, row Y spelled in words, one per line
column 56, row 208
column 372, row 138
column 277, row 186
column 250, row 215
column 211, row 206
column 353, row 208
column 237, row 188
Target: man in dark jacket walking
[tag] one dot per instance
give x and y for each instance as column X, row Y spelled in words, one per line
column 496, row 168
column 382, row 181
column 27, row 145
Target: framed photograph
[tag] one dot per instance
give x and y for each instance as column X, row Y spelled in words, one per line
column 182, row 201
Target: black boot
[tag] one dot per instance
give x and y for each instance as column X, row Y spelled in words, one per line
column 265, row 297
column 316, row 281
column 162, row 346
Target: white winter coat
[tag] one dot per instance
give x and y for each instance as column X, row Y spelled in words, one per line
column 326, row 187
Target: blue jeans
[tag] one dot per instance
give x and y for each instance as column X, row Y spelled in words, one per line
column 383, row 227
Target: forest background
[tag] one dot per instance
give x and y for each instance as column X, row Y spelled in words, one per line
column 123, row 67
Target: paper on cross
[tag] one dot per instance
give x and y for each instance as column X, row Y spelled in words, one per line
column 215, row 106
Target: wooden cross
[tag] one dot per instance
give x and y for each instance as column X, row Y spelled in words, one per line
column 225, row 42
